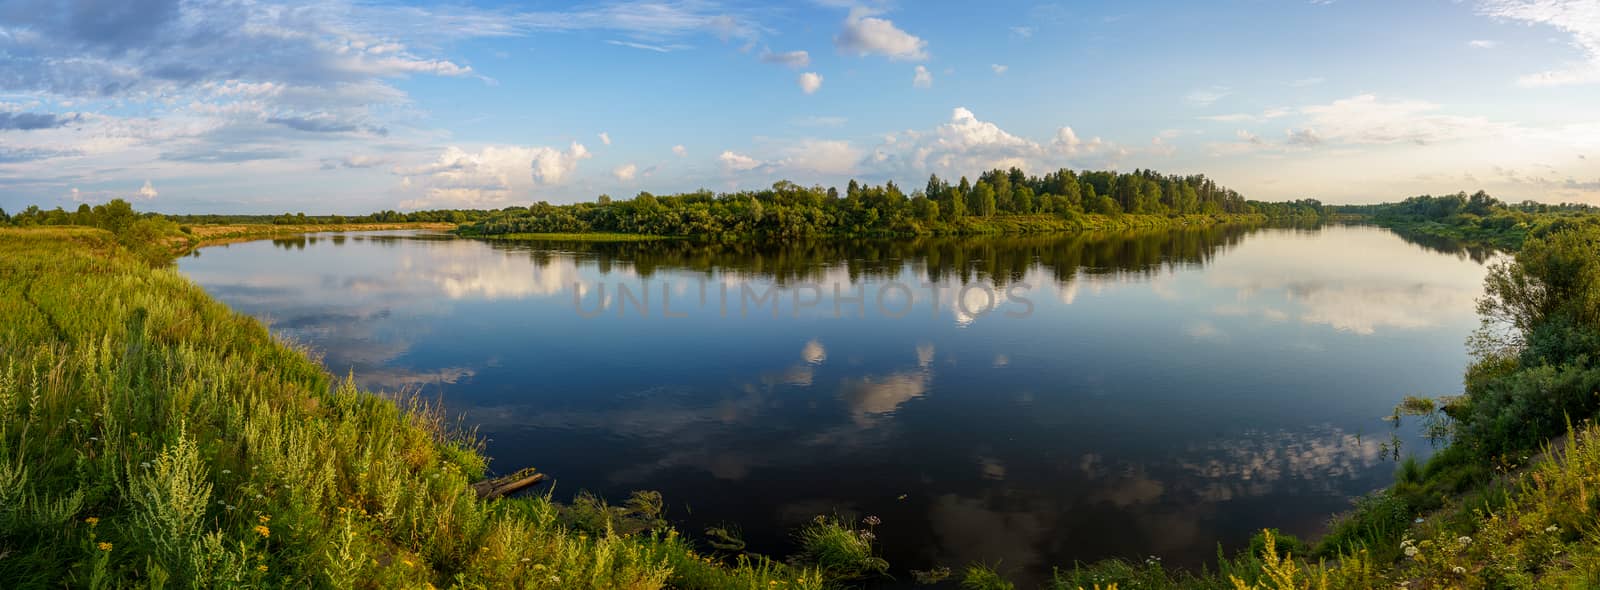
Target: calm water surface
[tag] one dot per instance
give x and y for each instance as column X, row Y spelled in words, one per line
column 1065, row 398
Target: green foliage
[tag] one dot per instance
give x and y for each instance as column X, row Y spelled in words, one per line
column 151, row 437
column 1001, row 201
column 841, row 550
column 982, row 577
column 1476, row 218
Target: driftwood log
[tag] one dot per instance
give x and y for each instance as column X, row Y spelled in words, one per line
column 490, row 489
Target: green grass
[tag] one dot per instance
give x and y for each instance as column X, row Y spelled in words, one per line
column 151, row 437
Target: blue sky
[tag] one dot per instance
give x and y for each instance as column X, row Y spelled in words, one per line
column 205, row 106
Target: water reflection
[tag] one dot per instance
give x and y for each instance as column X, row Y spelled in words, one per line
column 1165, row 391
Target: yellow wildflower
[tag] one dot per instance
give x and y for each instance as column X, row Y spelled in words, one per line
column 92, row 521
column 264, row 519
column 262, row 568
column 104, row 546
column 263, row 531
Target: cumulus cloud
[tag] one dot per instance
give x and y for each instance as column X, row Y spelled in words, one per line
column 147, row 192
column 965, row 143
column 999, row 69
column 864, row 34
column 922, row 78
column 605, row 138
column 492, row 175
column 625, row 172
column 551, row 166
column 472, row 178
column 810, row 82
column 733, row 162
column 793, row 59
column 830, row 157
column 1578, row 18
column 680, row 151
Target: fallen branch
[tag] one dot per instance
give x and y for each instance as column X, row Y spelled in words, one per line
column 490, row 489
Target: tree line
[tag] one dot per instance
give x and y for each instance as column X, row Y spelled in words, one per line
column 788, row 209
column 95, row 216
column 1478, row 217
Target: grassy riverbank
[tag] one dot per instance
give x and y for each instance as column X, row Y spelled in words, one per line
column 1473, row 219
column 1497, row 507
column 150, row 436
column 206, row 235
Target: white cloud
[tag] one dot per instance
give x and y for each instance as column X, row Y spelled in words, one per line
column 1160, row 147
column 999, row 69
column 868, row 35
column 830, row 157
column 551, row 166
column 1022, row 32
column 625, row 172
column 966, row 143
column 793, row 59
column 810, row 82
column 1307, row 137
column 922, row 78
column 1272, row 113
column 1367, row 119
column 460, row 177
column 605, row 138
column 649, row 46
column 732, row 162
column 680, row 151
column 1202, row 97
column 146, row 192
column 822, row 121
column 1483, row 44
column 1579, row 18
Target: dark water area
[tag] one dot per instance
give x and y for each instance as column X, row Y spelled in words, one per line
column 1027, row 401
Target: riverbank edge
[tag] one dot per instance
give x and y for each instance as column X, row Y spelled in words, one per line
column 108, row 251
column 998, row 225
column 1506, row 239
column 119, row 335
column 201, row 236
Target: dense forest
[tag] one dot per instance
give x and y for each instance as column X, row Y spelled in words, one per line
column 791, row 210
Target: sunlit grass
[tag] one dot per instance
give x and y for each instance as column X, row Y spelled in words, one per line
column 149, row 436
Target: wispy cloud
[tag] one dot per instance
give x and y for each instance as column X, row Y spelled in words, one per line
column 1201, row 97
column 648, row 46
column 793, row 59
column 1578, row 18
